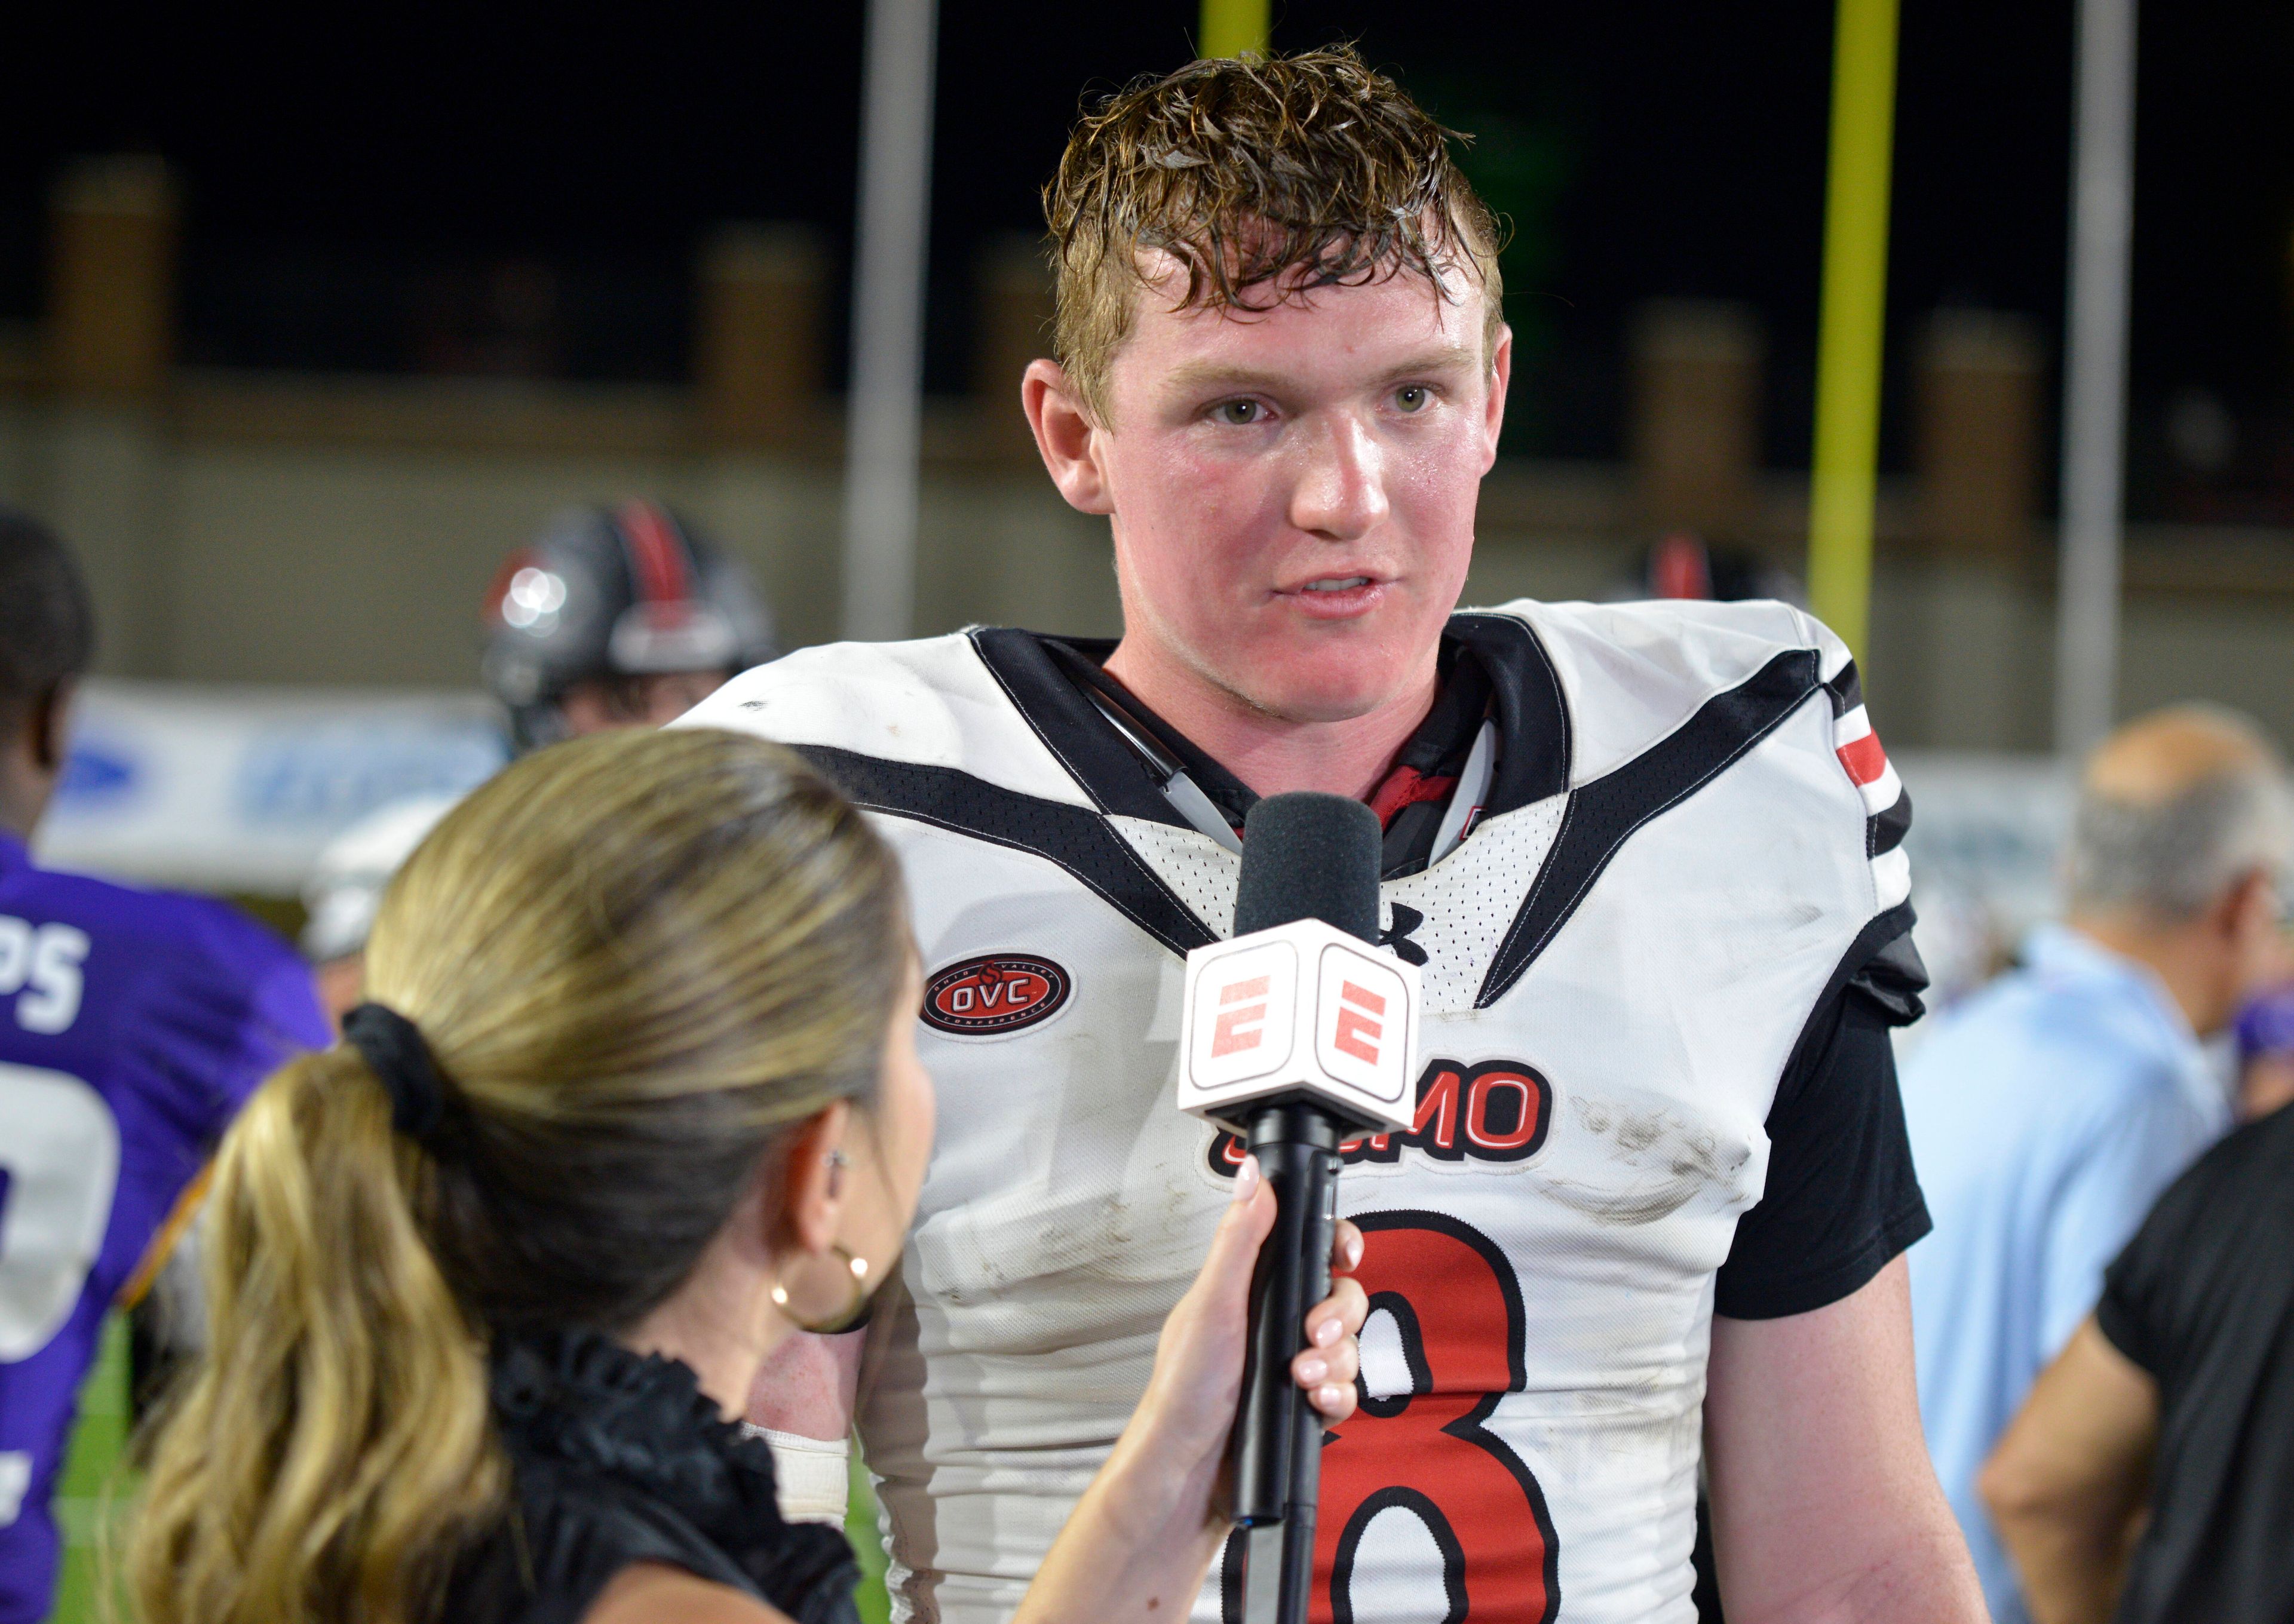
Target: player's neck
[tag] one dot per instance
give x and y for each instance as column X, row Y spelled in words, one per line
column 1273, row 754
column 31, row 765
column 23, row 798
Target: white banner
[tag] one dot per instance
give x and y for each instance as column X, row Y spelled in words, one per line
column 237, row 788
column 1986, row 844
column 240, row 788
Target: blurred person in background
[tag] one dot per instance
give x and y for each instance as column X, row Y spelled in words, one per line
column 617, row 616
column 345, row 887
column 2150, row 1478
column 133, row 1026
column 492, row 1279
column 1684, row 566
column 2049, row 1110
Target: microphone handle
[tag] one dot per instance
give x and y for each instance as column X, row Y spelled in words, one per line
column 1277, row 1436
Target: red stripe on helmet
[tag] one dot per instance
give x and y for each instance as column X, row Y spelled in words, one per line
column 1682, row 569
column 657, row 557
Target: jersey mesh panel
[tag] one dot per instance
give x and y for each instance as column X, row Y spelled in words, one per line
column 1469, row 908
column 1202, row 872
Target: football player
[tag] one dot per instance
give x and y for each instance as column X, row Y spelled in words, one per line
column 617, row 617
column 133, row 1026
column 1650, row 1214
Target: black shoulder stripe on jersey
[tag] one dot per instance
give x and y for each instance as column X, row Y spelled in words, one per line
column 1601, row 815
column 1846, row 688
column 1075, row 838
column 1884, row 831
column 1070, row 725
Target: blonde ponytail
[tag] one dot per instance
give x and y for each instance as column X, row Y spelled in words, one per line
column 636, row 959
column 337, row 1445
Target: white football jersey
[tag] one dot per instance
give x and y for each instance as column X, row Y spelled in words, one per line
column 1688, row 841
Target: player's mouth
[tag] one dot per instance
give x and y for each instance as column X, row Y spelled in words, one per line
column 1336, row 597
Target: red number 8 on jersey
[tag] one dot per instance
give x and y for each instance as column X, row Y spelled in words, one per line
column 1458, row 1306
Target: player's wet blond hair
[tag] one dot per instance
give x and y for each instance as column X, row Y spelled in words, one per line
column 638, row 959
column 1265, row 177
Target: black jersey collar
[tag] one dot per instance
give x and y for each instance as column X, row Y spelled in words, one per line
column 1084, row 742
column 1532, row 717
column 1046, row 680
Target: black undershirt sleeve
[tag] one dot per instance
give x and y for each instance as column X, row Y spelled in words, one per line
column 1842, row 1198
column 2158, row 1284
column 2128, row 1312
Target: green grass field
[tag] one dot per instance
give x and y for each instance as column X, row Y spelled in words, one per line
column 94, row 1486
column 860, row 1528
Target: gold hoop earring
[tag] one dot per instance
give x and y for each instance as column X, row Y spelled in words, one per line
column 856, row 1270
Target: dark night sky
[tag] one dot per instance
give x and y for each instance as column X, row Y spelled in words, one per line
column 1655, row 147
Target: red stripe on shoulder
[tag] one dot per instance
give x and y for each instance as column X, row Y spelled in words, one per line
column 1864, row 758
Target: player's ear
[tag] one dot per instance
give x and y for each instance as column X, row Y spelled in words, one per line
column 47, row 728
column 1493, row 409
column 1066, row 431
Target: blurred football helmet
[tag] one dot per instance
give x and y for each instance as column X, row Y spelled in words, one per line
column 626, row 591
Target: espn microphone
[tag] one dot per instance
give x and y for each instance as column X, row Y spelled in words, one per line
column 1297, row 1032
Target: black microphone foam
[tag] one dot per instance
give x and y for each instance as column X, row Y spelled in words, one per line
column 1309, row 856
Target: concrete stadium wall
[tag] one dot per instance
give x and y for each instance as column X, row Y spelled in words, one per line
column 286, row 545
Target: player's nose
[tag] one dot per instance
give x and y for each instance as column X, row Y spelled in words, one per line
column 1340, row 494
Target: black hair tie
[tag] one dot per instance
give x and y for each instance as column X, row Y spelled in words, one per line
column 394, row 1049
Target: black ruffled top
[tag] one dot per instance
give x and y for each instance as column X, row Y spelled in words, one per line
column 618, row 1459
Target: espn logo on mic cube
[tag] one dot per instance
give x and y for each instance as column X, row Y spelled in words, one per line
column 1301, row 1009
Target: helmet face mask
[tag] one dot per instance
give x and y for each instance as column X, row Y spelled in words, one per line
column 606, row 596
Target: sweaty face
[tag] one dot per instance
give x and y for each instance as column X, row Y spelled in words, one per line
column 1292, row 493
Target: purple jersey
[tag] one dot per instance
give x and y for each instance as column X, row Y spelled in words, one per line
column 133, row 1025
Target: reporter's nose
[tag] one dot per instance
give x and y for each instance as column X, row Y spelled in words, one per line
column 1340, row 495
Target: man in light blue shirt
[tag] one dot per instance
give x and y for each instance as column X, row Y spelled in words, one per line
column 2049, row 1111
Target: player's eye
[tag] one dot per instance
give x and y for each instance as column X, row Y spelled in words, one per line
column 1240, row 414
column 1412, row 398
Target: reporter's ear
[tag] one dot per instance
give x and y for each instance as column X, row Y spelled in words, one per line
column 809, row 1203
column 1066, row 431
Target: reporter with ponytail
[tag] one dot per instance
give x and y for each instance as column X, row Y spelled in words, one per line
column 635, row 1096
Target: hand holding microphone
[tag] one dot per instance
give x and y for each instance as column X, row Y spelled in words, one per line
column 1295, row 1032
column 1136, row 1547
column 1192, row 1399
